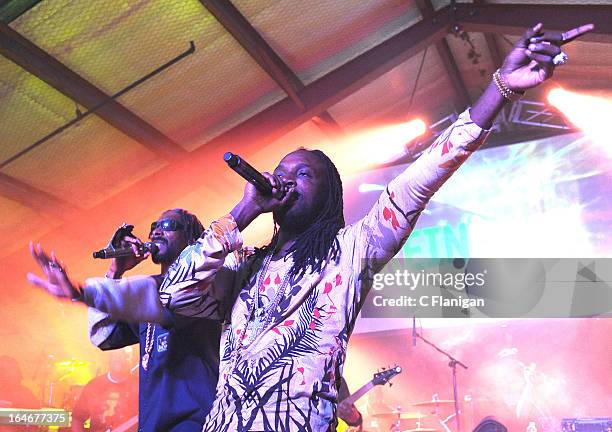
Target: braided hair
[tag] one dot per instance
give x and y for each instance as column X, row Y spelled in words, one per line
column 318, row 242
column 192, row 226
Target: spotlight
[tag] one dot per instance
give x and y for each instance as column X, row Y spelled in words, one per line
column 370, row 187
column 591, row 114
column 374, row 146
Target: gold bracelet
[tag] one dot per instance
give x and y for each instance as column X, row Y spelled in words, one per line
column 503, row 88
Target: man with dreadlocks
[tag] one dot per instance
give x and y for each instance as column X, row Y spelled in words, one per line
column 179, row 356
column 289, row 309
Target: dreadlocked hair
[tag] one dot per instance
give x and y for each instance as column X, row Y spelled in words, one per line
column 192, row 226
column 317, row 243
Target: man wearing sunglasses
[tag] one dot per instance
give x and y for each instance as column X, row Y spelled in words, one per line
column 179, row 359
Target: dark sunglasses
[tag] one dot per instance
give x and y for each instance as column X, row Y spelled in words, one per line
column 166, row 225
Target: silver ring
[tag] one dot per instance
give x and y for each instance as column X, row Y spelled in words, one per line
column 53, row 265
column 560, row 59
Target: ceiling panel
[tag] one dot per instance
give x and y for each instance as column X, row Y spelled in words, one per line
column 317, row 36
column 115, row 43
column 205, row 94
column 394, row 87
column 29, row 109
column 589, row 67
column 19, row 225
column 473, row 59
column 85, row 164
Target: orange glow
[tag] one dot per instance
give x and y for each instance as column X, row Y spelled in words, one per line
column 589, row 113
column 375, row 146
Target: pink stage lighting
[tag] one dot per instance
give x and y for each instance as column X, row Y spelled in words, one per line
column 591, row 114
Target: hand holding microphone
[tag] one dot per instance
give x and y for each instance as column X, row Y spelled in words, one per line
column 247, row 172
column 125, row 250
column 271, row 192
column 265, row 192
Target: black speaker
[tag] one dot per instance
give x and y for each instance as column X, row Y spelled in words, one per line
column 595, row 424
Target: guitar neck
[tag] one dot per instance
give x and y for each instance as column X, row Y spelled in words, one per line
column 359, row 393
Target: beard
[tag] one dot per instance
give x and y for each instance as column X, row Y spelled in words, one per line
column 298, row 216
column 164, row 254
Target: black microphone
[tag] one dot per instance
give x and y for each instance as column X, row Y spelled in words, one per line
column 109, row 253
column 248, row 173
column 414, row 333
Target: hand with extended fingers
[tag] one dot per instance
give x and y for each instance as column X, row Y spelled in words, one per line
column 535, row 55
column 56, row 281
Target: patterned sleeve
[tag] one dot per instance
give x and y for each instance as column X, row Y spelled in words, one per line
column 200, row 282
column 107, row 333
column 133, row 298
column 386, row 227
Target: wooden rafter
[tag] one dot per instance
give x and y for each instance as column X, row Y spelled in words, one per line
column 253, row 43
column 494, row 49
column 36, row 199
column 12, row 9
column 514, row 19
column 338, row 84
column 492, row 44
column 462, row 96
column 276, row 120
column 30, row 57
column 249, row 38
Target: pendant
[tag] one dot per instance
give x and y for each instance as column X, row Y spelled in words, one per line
column 256, row 325
column 145, row 361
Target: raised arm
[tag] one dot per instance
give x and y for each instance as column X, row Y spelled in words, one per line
column 200, row 282
column 197, row 283
column 387, row 226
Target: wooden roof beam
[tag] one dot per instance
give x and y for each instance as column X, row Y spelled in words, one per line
column 494, row 48
column 513, row 19
column 249, row 38
column 13, row 9
column 30, row 57
column 36, row 199
column 462, row 96
column 282, row 117
column 252, row 42
column 273, row 122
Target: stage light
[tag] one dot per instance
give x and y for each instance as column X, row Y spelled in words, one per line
column 370, row 187
column 589, row 113
column 392, row 140
column 374, row 146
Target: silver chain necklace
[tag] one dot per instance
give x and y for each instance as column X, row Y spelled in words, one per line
column 148, row 346
column 260, row 317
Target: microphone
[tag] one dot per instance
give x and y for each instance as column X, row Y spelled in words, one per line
column 110, row 252
column 414, row 333
column 248, row 173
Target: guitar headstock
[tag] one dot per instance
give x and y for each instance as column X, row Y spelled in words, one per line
column 383, row 377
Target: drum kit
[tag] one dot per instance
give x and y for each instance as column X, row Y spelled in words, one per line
column 65, row 380
column 412, row 421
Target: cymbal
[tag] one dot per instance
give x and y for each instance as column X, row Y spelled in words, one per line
column 400, row 415
column 434, row 402
column 73, row 371
column 71, row 363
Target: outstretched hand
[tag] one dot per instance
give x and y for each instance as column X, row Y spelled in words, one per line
column 56, row 281
column 530, row 62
